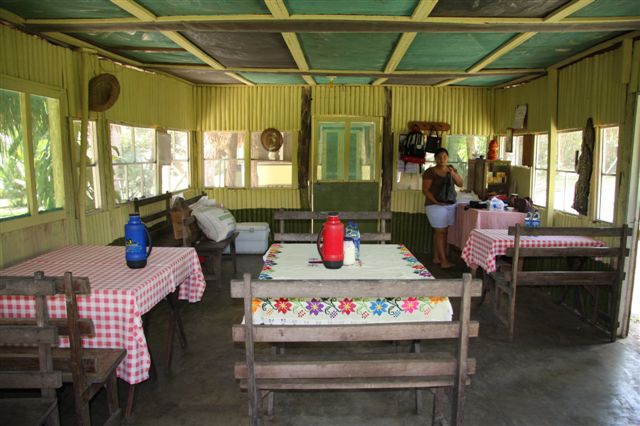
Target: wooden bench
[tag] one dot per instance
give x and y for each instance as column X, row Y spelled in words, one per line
column 511, row 276
column 329, row 370
column 159, row 221
column 284, row 215
column 88, row 369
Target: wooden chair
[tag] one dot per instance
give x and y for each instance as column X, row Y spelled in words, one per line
column 88, row 369
column 159, row 222
column 327, row 370
column 282, row 216
column 41, row 335
column 511, row 276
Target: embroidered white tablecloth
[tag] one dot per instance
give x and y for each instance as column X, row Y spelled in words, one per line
column 390, row 261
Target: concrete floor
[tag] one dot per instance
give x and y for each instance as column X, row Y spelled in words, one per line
column 558, row 371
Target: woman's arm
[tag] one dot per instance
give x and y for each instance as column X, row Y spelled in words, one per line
column 426, row 190
column 457, row 179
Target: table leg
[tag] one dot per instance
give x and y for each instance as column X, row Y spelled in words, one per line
column 130, row 395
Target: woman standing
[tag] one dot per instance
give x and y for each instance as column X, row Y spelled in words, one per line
column 441, row 214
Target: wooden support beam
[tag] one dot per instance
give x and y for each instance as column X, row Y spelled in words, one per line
column 72, row 41
column 566, row 10
column 135, row 9
column 304, row 149
column 387, row 152
column 180, row 40
column 398, row 53
column 277, row 8
column 449, row 82
column 379, row 81
column 370, row 25
column 423, row 9
column 501, row 51
column 11, row 17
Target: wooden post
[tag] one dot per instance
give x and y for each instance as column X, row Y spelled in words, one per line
column 387, row 153
column 304, row 145
column 463, row 350
column 252, row 389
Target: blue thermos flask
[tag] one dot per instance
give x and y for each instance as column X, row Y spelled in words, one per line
column 136, row 240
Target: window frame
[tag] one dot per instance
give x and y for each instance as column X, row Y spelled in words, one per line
column 245, row 151
column 292, row 136
column 535, row 168
column 558, row 171
column 157, row 176
column 98, row 171
column 35, row 217
column 171, row 132
column 600, row 173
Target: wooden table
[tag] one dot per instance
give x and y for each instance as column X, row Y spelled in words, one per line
column 468, row 219
column 120, row 296
column 485, row 245
column 377, row 261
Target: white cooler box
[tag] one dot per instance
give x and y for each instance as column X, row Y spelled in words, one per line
column 253, row 238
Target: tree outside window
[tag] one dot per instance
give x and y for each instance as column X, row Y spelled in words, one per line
column 541, row 169
column 608, row 170
column 175, row 175
column 134, row 162
column 566, row 176
column 93, row 188
column 271, row 168
column 31, row 173
column 224, row 162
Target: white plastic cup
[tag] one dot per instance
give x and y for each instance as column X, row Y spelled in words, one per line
column 349, row 253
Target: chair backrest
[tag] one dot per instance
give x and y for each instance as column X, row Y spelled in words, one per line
column 42, row 326
column 616, row 251
column 163, row 214
column 284, row 215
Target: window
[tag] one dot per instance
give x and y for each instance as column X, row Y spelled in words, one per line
column 608, row 168
column 271, row 168
column 566, row 176
column 174, row 145
column 515, row 154
column 346, row 151
column 134, row 162
column 409, row 175
column 224, row 159
column 92, row 191
column 541, row 169
column 462, row 148
column 31, row 174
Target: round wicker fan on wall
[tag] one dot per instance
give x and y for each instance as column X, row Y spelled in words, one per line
column 104, row 90
column 271, row 139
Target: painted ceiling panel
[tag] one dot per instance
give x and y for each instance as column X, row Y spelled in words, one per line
column 139, row 39
column 450, row 51
column 151, row 57
column 205, row 7
column 203, row 76
column 348, row 51
column 64, row 9
column 486, row 81
column 351, row 7
column 344, row 80
column 244, row 50
column 497, row 8
column 546, row 49
column 272, row 78
column 610, row 8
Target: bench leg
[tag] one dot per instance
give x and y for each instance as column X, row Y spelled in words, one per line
column 232, row 249
column 438, row 417
column 217, row 264
column 130, row 397
column 115, row 413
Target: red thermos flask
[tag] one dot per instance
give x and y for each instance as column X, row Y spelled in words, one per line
column 332, row 248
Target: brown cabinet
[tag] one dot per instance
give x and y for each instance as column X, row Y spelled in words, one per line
column 489, row 176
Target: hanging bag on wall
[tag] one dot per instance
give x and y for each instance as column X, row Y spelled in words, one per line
column 433, row 141
column 447, row 193
column 413, row 147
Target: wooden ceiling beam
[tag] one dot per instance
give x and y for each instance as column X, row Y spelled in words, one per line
column 135, row 9
column 423, row 9
column 342, row 25
column 501, row 51
column 279, row 10
column 145, row 15
column 75, row 42
column 450, row 82
column 11, row 17
column 595, row 49
column 566, row 10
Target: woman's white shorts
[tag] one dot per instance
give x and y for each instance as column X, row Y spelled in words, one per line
column 441, row 216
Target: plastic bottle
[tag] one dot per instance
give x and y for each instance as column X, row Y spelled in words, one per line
column 535, row 219
column 528, row 219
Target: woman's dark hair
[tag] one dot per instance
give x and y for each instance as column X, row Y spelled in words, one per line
column 439, row 150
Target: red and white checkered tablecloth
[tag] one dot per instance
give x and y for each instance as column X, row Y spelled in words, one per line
column 484, row 245
column 119, row 295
